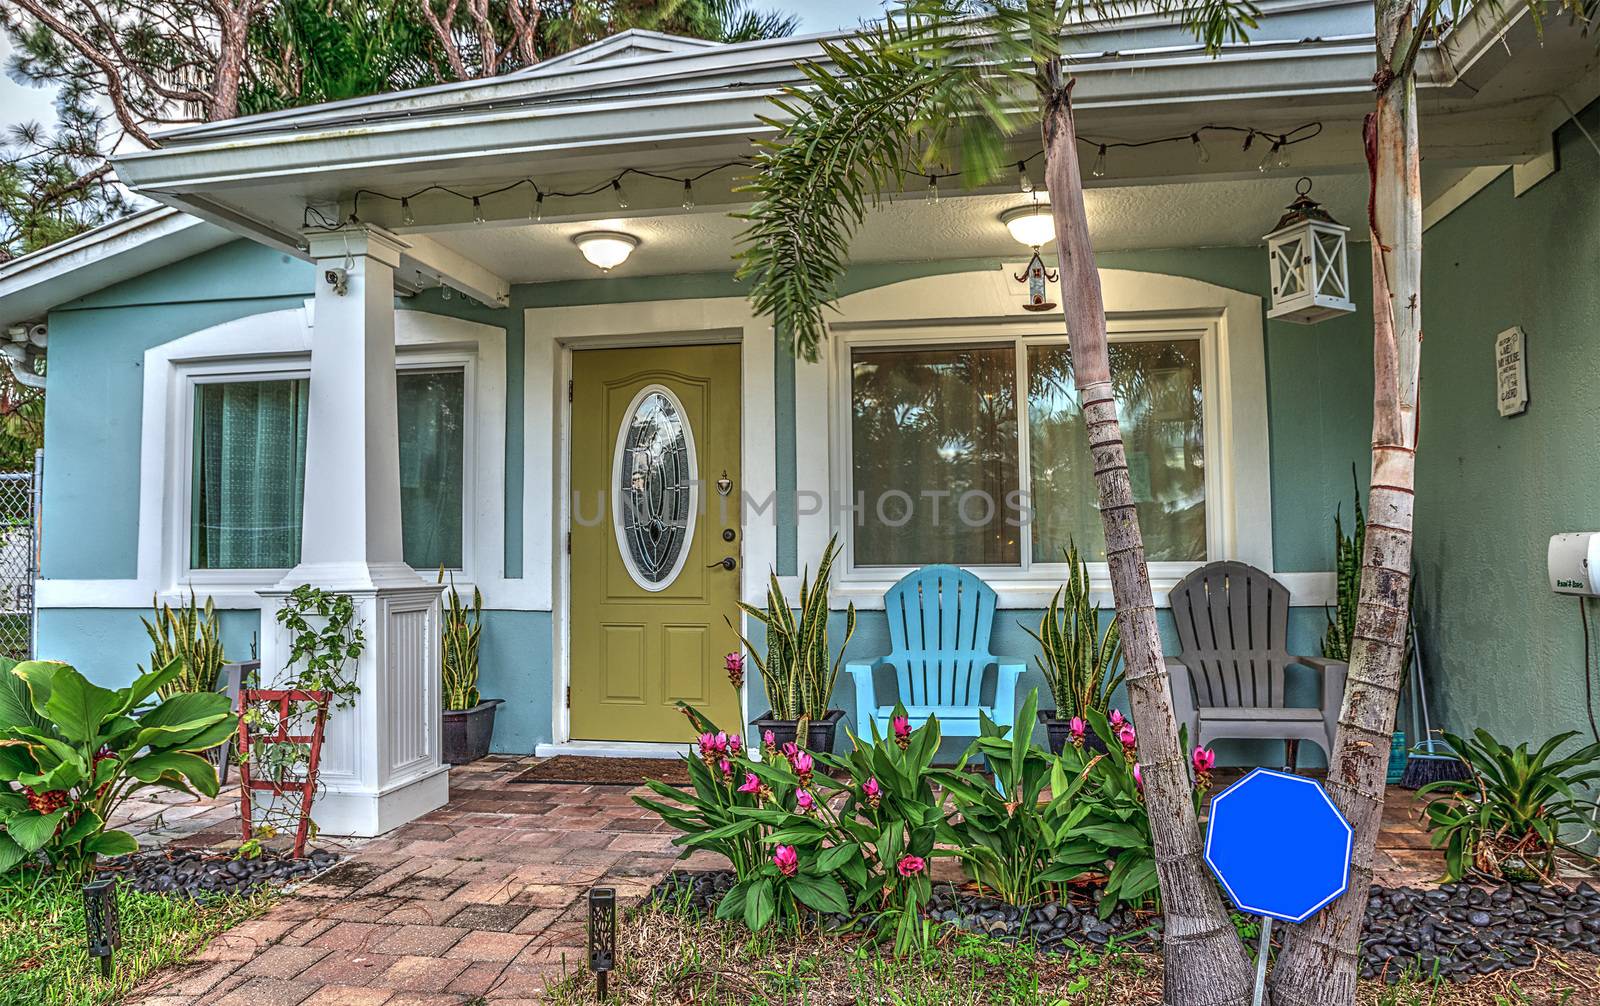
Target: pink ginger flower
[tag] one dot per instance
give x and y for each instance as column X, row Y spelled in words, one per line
column 1138, row 780
column 752, row 784
column 735, row 746
column 1116, row 718
column 805, row 801
column 786, row 860
column 1078, row 729
column 710, row 750
column 873, row 791
column 769, row 741
column 733, row 663
column 727, row 768
column 902, row 731
column 1203, row 760
column 790, row 750
column 802, row 766
column 910, row 866
column 1129, row 739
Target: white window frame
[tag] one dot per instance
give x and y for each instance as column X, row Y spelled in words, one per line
column 1020, row 335
column 279, row 343
column 965, row 308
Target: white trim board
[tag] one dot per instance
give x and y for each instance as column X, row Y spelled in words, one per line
column 551, row 334
column 278, row 343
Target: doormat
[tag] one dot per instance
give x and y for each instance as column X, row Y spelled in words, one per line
column 606, row 771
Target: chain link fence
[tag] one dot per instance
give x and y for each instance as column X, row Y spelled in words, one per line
column 18, row 563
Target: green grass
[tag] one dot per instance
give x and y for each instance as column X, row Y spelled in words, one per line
column 44, row 958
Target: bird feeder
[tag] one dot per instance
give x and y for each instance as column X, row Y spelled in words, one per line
column 1310, row 266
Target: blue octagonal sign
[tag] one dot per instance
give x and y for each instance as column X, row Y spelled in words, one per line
column 1279, row 846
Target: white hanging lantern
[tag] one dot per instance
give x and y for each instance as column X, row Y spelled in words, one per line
column 1310, row 267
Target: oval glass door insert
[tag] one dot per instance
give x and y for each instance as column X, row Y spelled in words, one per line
column 654, row 478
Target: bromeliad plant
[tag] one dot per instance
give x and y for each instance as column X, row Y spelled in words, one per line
column 798, row 670
column 1081, row 662
column 191, row 634
column 71, row 752
column 1506, row 819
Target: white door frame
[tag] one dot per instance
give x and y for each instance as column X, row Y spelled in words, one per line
column 551, row 336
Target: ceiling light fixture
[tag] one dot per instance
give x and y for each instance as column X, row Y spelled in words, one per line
column 606, row 249
column 1031, row 225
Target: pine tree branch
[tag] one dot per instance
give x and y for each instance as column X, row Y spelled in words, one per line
column 115, row 90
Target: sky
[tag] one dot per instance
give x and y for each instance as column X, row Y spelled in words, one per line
column 20, row 103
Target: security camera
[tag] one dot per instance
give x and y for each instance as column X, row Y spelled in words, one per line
column 338, row 279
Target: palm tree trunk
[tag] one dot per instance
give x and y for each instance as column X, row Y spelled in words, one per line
column 1204, row 961
column 1319, row 961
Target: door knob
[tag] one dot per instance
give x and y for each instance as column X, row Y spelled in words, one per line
column 727, row 562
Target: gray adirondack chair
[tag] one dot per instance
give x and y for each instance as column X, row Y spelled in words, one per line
column 1228, row 681
column 939, row 622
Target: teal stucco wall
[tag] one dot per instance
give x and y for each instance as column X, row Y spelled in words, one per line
column 1504, row 652
column 1319, row 390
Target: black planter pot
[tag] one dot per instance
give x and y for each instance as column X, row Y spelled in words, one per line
column 467, row 732
column 1060, row 733
column 819, row 736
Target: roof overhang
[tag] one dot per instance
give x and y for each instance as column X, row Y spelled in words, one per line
column 33, row 284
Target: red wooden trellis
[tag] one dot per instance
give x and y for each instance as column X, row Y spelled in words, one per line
column 307, row 789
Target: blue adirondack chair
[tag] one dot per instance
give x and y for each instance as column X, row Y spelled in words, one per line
column 939, row 622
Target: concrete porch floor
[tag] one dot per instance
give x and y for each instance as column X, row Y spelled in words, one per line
column 483, row 899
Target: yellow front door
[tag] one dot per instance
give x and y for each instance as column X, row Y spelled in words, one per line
column 655, row 539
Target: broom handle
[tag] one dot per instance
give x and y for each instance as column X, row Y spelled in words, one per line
column 1420, row 686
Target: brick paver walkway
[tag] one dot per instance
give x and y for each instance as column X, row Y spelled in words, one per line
column 484, row 899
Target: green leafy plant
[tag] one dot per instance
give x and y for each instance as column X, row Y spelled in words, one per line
column 1506, row 818
column 191, row 634
column 798, row 671
column 1009, row 837
column 770, row 820
column 325, row 635
column 1080, row 661
column 72, row 751
column 459, row 653
column 1117, row 819
column 1347, row 551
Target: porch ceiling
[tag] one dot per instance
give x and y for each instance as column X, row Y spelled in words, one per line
column 914, row 228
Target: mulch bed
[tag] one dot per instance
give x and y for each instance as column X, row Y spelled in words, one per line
column 605, row 771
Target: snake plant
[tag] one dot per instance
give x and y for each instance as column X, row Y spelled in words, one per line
column 188, row 633
column 797, row 670
column 459, row 656
column 1080, row 662
column 1347, row 567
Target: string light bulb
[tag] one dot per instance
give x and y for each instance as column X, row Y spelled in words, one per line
column 1024, row 182
column 933, row 188
column 536, row 212
column 1099, row 170
column 1274, row 157
column 1249, row 138
column 406, row 216
column 1200, row 150
column 477, row 211
column 688, row 194
column 622, row 196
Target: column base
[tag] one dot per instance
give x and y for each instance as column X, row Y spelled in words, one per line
column 357, row 814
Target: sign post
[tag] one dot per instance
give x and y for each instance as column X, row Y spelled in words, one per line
column 1280, row 849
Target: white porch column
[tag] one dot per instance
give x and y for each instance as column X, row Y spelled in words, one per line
column 381, row 758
